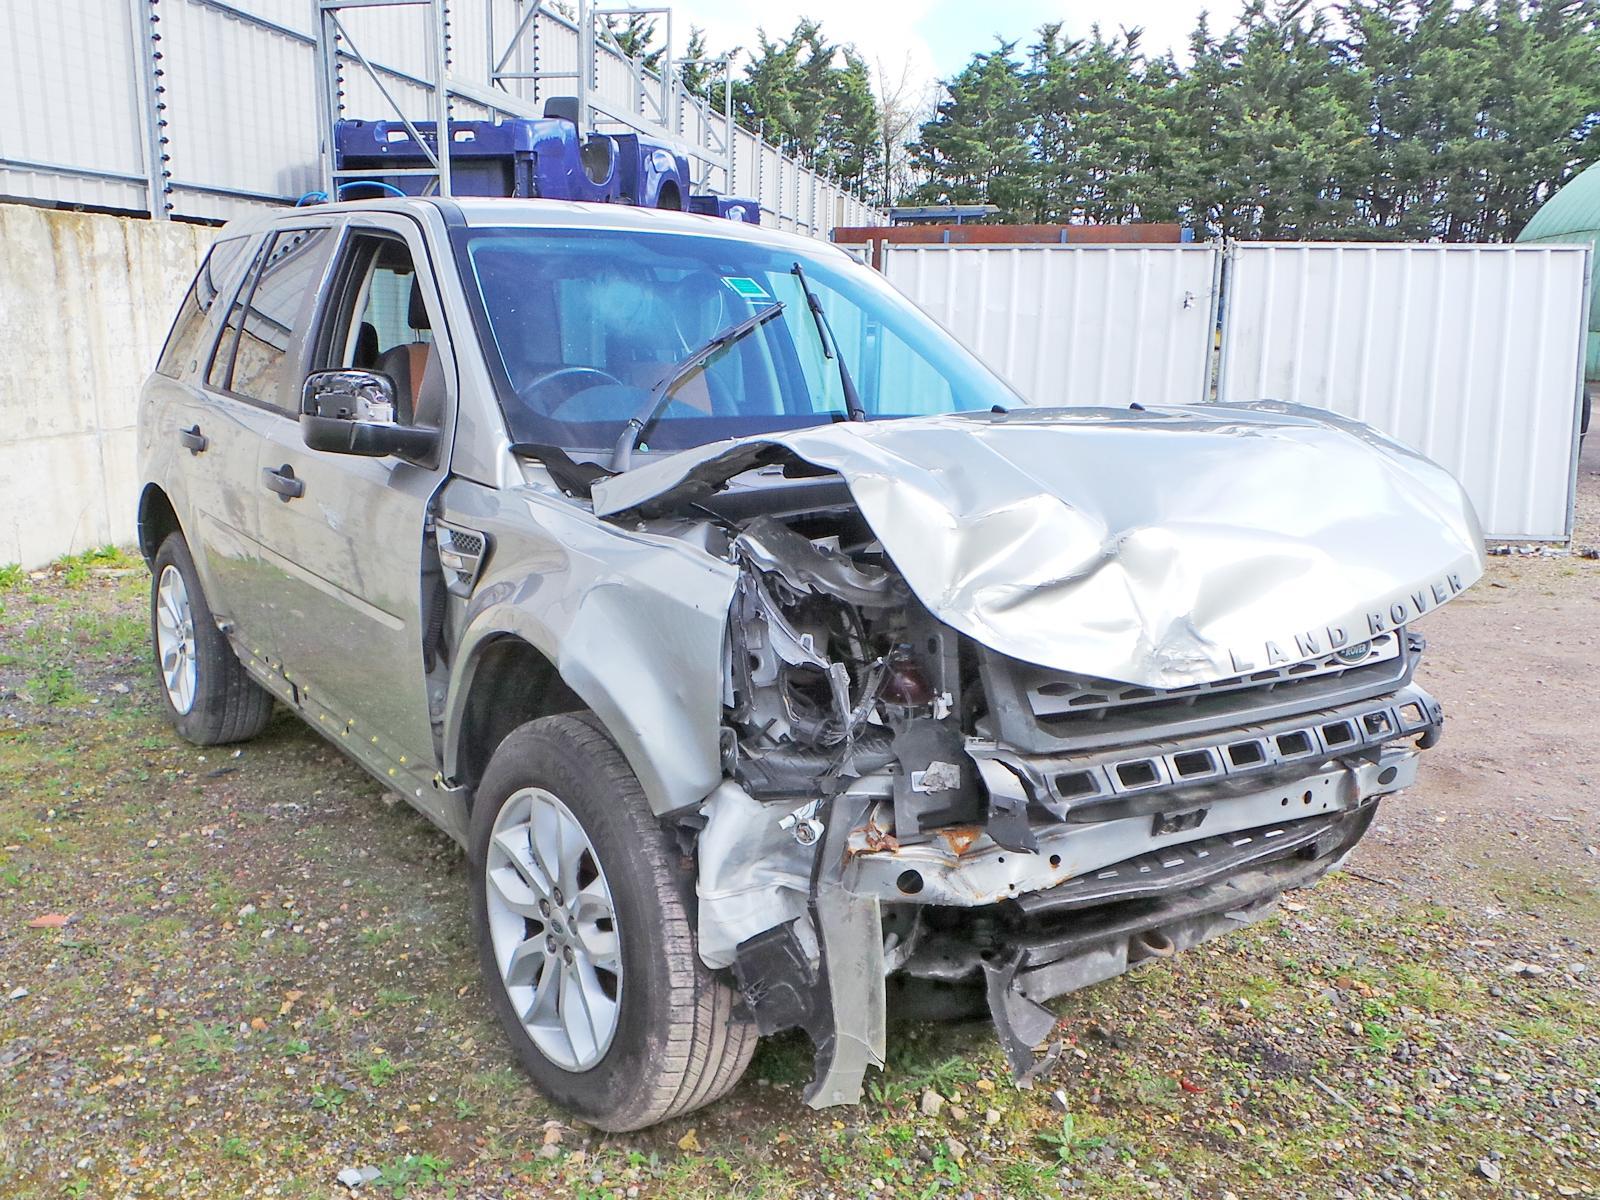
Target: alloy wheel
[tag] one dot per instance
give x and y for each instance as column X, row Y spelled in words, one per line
column 175, row 640
column 553, row 925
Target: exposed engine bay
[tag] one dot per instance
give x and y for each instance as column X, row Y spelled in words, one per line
column 938, row 763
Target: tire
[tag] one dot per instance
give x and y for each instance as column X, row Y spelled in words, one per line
column 222, row 703
column 674, row 1042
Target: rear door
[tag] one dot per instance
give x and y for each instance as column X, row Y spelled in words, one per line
column 250, row 388
column 343, row 568
column 218, row 436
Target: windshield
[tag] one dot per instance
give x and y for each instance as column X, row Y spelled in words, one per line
column 580, row 325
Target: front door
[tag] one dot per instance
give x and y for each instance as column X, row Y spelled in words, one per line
column 342, row 537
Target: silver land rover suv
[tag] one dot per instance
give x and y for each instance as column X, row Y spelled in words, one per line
column 774, row 663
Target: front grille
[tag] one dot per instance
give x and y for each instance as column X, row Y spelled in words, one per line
column 1053, row 696
column 1039, row 710
column 1102, row 784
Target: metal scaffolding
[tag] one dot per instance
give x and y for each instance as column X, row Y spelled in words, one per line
column 207, row 109
column 519, row 83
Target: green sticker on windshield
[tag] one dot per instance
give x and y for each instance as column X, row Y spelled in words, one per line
column 747, row 288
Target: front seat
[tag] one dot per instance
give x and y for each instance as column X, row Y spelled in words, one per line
column 406, row 364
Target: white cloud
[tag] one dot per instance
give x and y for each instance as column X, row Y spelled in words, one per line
column 936, row 37
column 881, row 32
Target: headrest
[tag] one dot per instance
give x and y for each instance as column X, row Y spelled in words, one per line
column 562, row 108
column 367, row 347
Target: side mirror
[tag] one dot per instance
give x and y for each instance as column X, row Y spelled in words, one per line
column 352, row 412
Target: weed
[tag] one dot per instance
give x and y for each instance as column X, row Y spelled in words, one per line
column 1026, row 1180
column 916, row 1072
column 1380, row 1037
column 12, row 575
column 412, row 1169
column 328, row 1097
column 947, row 1165
column 75, row 568
column 1067, row 1142
column 205, row 1045
column 380, row 1070
column 57, row 686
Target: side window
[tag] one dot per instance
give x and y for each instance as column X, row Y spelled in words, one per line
column 379, row 318
column 377, row 313
column 263, row 327
column 228, row 341
column 218, row 273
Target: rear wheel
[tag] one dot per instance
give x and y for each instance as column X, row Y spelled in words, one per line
column 581, row 905
column 209, row 697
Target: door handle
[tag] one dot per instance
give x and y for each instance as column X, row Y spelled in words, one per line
column 283, row 482
column 194, row 439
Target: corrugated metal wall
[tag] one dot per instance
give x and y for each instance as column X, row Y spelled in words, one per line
column 1471, row 354
column 1080, row 325
column 47, row 99
column 237, row 83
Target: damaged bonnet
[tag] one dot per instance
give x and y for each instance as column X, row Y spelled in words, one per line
column 1159, row 548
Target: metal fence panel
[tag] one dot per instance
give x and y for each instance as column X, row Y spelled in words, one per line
column 1074, row 325
column 1472, row 355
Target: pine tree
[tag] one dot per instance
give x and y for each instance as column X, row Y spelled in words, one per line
column 697, row 70
column 1450, row 119
column 814, row 99
column 976, row 149
column 635, row 36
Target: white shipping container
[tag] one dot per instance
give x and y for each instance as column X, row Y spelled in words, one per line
column 1471, row 354
column 1068, row 324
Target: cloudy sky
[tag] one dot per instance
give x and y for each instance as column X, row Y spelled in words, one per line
column 937, row 36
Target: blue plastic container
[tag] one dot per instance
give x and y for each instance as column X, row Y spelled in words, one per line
column 528, row 157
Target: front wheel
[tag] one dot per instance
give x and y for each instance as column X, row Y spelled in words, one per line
column 210, row 699
column 581, row 907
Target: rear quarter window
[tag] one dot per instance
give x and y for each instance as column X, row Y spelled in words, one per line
column 253, row 355
column 218, row 274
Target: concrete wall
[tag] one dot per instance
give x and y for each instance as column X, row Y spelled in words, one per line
column 85, row 302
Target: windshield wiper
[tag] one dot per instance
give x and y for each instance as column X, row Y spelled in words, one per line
column 830, row 346
column 622, row 452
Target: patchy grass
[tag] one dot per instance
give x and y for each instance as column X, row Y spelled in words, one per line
column 264, row 976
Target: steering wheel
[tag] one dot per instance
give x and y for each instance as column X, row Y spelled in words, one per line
column 569, row 374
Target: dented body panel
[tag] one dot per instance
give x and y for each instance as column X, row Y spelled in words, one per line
column 1162, row 547
column 633, row 622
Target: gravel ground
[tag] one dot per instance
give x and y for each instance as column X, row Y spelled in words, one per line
column 237, row 972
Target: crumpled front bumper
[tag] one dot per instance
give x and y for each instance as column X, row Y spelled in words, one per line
column 966, row 869
column 1150, row 878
